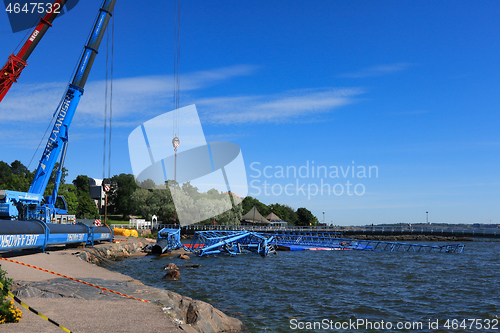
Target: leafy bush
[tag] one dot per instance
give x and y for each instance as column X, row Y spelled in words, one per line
column 8, row 312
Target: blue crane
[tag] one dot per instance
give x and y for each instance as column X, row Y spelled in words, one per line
column 32, row 205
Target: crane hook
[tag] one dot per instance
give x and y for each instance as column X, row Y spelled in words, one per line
column 176, row 142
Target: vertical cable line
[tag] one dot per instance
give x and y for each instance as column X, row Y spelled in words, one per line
column 177, row 82
column 105, row 108
column 111, row 91
column 177, row 65
column 108, row 101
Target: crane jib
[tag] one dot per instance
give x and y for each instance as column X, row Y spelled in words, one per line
column 57, row 137
column 93, row 43
column 57, row 126
column 81, row 71
column 98, row 28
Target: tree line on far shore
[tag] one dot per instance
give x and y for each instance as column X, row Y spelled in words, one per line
column 128, row 198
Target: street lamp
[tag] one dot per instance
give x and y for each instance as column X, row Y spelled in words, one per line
column 427, row 218
column 323, row 218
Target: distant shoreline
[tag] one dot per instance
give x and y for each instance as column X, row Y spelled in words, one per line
column 420, row 238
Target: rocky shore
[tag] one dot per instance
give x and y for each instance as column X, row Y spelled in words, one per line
column 202, row 316
column 168, row 310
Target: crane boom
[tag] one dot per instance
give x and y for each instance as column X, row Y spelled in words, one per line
column 59, row 135
column 31, row 205
column 17, row 62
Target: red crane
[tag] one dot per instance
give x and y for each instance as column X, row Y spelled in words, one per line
column 16, row 63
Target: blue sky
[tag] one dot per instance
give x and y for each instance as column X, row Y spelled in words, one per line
column 408, row 87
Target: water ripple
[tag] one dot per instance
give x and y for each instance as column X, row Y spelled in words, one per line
column 338, row 285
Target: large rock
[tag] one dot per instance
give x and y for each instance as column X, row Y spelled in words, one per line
column 172, row 275
column 205, row 318
column 171, row 266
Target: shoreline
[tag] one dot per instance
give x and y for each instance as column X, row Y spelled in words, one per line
column 83, row 308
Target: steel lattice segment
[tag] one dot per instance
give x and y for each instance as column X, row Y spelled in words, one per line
column 168, row 240
column 329, row 242
column 232, row 243
column 237, row 242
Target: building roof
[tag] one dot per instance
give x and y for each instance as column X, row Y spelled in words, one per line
column 273, row 217
column 254, row 216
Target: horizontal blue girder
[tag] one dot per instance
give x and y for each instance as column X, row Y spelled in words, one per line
column 235, row 242
column 18, row 235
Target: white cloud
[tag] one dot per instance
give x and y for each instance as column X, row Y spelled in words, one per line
column 140, row 98
column 276, row 108
column 131, row 96
column 377, row 70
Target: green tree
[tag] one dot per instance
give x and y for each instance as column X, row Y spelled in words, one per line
column 230, row 217
column 153, row 202
column 86, row 207
column 121, row 197
column 249, row 202
column 148, row 184
column 306, row 218
column 15, row 177
column 52, row 179
column 193, row 191
column 70, row 194
column 18, row 168
column 286, row 213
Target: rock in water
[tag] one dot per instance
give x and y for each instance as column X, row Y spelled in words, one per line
column 171, row 266
column 172, row 275
column 184, row 256
column 205, row 318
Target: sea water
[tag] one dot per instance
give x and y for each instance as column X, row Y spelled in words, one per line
column 343, row 291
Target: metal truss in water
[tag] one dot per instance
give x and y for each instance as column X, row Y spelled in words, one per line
column 237, row 242
column 322, row 241
column 232, row 243
column 168, row 240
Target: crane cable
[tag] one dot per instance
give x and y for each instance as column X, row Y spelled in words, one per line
column 108, row 101
column 177, row 82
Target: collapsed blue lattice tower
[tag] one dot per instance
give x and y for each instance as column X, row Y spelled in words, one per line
column 232, row 243
column 168, row 240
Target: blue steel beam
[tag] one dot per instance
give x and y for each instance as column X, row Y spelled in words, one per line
column 364, row 245
column 168, row 240
column 232, row 242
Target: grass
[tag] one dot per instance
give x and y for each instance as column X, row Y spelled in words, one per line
column 116, row 219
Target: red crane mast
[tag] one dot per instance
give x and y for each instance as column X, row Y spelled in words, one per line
column 16, row 63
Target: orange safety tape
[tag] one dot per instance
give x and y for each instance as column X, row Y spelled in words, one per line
column 67, row 277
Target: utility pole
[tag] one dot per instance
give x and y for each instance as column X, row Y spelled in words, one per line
column 106, row 186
